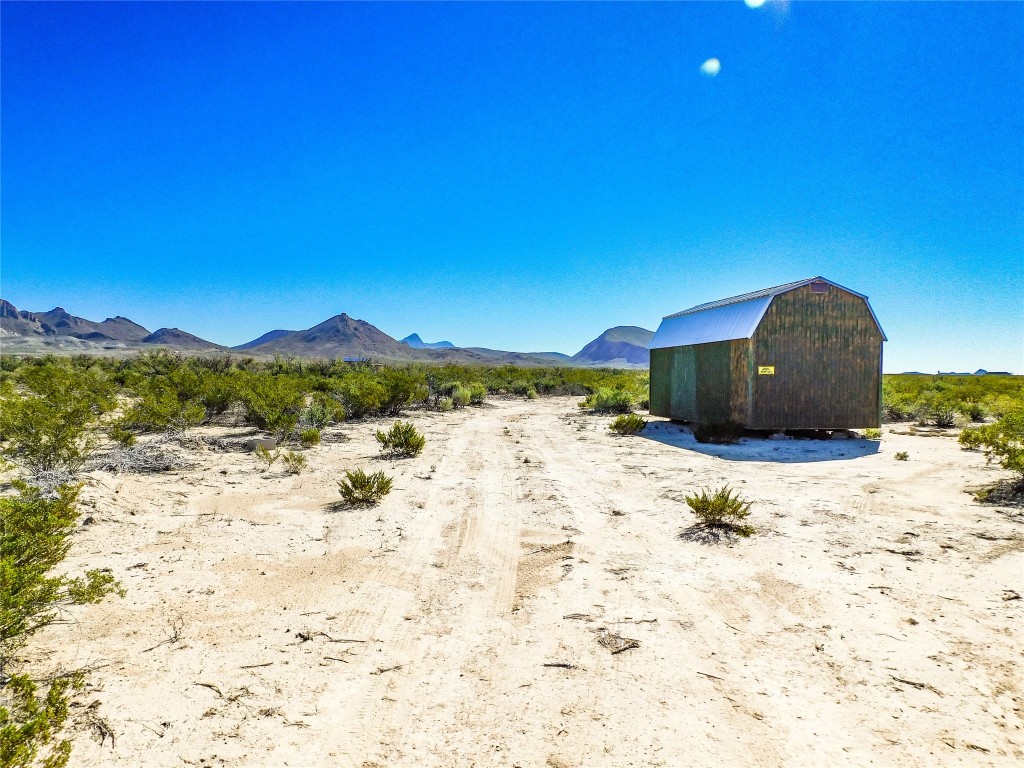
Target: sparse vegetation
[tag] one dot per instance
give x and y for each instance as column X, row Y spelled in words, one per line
column 605, row 400
column 627, row 424
column 1002, row 441
column 309, row 437
column 901, row 456
column 722, row 509
column 294, row 463
column 402, row 439
column 358, row 488
column 35, row 533
column 266, row 457
column 940, row 400
column 721, row 432
column 872, row 434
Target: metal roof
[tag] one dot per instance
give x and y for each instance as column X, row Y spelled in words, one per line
column 734, row 318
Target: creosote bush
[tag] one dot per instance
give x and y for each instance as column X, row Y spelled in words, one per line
column 309, row 437
column 872, row 434
column 605, row 400
column 266, row 457
column 294, row 462
column 403, row 439
column 627, row 424
column 35, row 531
column 721, row 509
column 359, row 488
column 719, row 432
column 1002, row 441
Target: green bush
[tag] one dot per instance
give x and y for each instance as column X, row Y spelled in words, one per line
column 531, row 394
column 1002, row 441
column 158, row 408
column 35, row 532
column 604, row 400
column 445, row 404
column 461, row 396
column 872, row 434
column 477, row 393
column 294, row 463
column 361, row 396
column 321, row 411
column 721, row 509
column 272, row 403
column 309, row 437
column 261, row 454
column 901, row 456
column 46, row 424
column 627, row 424
column 401, row 440
column 719, row 432
column 358, row 488
column 120, row 435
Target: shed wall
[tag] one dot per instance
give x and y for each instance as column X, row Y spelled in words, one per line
column 702, row 382
column 827, row 353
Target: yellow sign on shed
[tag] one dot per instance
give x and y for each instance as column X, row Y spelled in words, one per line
column 766, row 370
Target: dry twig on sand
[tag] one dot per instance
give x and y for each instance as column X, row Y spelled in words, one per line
column 615, row 642
column 155, row 456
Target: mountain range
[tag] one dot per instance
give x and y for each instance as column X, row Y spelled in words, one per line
column 341, row 336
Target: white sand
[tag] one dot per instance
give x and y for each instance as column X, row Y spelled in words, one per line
column 865, row 623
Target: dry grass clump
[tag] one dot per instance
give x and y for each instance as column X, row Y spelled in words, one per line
column 142, row 458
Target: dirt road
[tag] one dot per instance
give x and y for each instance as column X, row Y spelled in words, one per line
column 871, row 620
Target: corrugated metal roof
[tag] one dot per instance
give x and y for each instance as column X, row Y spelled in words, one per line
column 772, row 292
column 719, row 323
column 734, row 318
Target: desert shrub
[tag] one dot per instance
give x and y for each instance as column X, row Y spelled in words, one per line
column 402, row 439
column 158, row 408
column 361, row 395
column 309, row 437
column 477, row 393
column 461, row 396
column 604, row 400
column 872, row 434
column 1002, row 441
column 261, row 454
column 973, row 410
column 294, row 462
column 46, row 424
column 35, row 536
column 272, row 403
column 401, row 389
column 531, row 394
column 148, row 457
column 218, row 392
column 321, row 411
column 901, row 456
column 721, row 509
column 719, row 432
column 445, row 404
column 120, row 435
column 30, row 723
column 357, row 487
column 627, row 424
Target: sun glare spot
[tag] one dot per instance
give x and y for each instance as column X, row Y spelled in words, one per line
column 711, row 67
column 754, row 3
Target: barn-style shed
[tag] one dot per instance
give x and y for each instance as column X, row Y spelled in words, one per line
column 805, row 355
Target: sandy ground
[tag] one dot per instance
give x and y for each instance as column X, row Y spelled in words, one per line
column 458, row 623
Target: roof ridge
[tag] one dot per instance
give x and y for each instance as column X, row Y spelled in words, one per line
column 759, row 294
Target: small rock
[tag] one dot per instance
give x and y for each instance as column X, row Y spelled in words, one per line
column 89, row 520
column 269, row 443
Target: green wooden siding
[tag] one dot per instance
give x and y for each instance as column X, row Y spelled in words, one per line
column 827, row 352
column 699, row 383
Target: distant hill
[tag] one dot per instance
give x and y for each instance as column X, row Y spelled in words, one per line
column 59, row 322
column 179, row 339
column 623, row 344
column 268, row 336
column 340, row 336
column 413, row 340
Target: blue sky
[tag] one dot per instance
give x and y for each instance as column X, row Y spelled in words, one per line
column 518, row 176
